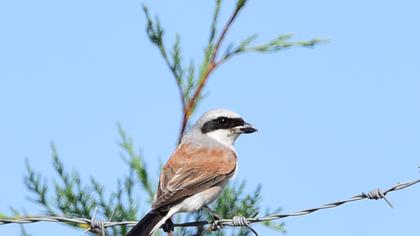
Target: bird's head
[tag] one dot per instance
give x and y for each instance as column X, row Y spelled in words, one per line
column 223, row 125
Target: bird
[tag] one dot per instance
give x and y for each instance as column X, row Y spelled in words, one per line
column 197, row 171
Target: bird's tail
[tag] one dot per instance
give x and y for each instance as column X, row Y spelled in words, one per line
column 147, row 224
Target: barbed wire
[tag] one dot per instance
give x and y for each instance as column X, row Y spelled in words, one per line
column 99, row 226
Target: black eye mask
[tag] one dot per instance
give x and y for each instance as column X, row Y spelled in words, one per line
column 221, row 122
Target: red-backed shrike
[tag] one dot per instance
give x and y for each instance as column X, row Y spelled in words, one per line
column 199, row 169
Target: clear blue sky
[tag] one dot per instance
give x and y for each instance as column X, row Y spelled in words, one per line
column 334, row 121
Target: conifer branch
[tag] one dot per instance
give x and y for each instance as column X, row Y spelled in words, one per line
column 190, row 87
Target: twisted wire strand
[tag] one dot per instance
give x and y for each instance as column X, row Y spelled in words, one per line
column 228, row 222
column 237, row 221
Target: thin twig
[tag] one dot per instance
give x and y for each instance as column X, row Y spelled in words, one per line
column 211, row 66
column 224, row 31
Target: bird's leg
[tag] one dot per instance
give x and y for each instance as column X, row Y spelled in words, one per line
column 213, row 213
column 168, row 226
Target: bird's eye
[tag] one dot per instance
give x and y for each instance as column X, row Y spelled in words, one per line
column 223, row 121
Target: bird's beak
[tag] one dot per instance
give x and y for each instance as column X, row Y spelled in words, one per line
column 247, row 128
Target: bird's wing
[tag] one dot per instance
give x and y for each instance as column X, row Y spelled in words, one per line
column 191, row 170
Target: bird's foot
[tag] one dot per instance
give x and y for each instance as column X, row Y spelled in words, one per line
column 168, row 226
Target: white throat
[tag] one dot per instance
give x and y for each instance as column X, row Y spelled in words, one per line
column 224, row 136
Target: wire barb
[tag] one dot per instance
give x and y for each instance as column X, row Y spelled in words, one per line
column 240, row 221
column 377, row 194
column 96, row 224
